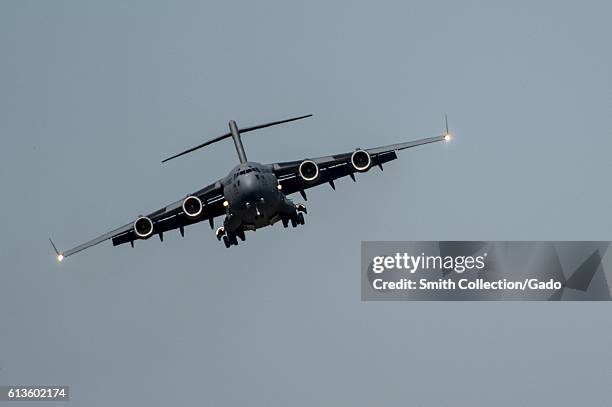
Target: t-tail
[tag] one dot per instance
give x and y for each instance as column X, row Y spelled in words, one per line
column 235, row 134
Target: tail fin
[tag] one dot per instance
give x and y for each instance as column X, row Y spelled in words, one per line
column 240, row 131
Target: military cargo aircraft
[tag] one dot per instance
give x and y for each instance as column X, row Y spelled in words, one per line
column 252, row 195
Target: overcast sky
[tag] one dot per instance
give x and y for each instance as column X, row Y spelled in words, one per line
column 94, row 94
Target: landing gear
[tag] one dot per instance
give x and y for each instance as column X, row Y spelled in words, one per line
column 296, row 218
column 220, row 232
column 230, row 239
column 233, row 229
column 300, row 210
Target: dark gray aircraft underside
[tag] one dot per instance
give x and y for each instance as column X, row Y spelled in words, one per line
column 252, row 195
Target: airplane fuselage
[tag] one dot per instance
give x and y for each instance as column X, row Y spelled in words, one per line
column 254, row 199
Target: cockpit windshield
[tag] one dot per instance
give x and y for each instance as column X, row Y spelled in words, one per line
column 247, row 170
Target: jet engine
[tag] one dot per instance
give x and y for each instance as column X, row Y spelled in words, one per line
column 143, row 227
column 361, row 160
column 309, row 170
column 192, row 206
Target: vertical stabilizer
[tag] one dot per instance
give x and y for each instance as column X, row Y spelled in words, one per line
column 237, row 141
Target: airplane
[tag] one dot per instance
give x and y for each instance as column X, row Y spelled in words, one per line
column 252, row 195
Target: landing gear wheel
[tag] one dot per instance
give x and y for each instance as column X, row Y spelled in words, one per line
column 300, row 217
column 226, row 242
column 294, row 221
column 220, row 232
column 232, row 239
column 241, row 235
column 285, row 222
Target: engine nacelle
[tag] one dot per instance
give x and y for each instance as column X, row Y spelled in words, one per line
column 309, row 171
column 192, row 206
column 143, row 227
column 361, row 160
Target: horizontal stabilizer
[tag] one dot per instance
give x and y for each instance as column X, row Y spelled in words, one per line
column 227, row 135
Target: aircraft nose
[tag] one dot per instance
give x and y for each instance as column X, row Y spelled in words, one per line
column 248, row 183
column 249, row 190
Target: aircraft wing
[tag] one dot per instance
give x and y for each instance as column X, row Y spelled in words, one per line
column 167, row 218
column 337, row 166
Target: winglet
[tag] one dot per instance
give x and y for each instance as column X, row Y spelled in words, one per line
column 447, row 135
column 60, row 255
column 446, row 121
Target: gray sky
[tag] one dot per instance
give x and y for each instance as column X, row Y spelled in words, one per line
column 94, row 94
